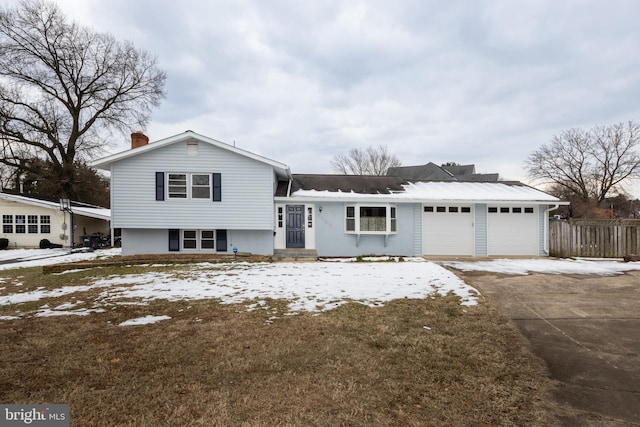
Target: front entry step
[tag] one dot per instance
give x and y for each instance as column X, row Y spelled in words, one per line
column 295, row 254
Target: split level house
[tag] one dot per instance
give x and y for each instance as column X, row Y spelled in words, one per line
column 27, row 219
column 190, row 193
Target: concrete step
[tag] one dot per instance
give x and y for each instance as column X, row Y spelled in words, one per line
column 295, row 254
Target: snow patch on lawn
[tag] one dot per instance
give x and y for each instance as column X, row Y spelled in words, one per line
column 144, row 320
column 600, row 267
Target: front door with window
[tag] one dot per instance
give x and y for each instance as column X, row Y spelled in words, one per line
column 295, row 226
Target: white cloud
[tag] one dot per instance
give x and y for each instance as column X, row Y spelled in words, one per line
column 471, row 82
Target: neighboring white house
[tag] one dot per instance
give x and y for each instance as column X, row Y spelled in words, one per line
column 190, row 193
column 26, row 220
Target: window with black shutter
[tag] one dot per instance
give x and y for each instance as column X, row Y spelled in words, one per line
column 217, row 187
column 160, row 186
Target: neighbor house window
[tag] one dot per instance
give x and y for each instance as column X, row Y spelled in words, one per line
column 45, row 224
column 371, row 219
column 7, row 224
column 32, row 226
column 20, row 224
column 177, row 186
column 200, row 186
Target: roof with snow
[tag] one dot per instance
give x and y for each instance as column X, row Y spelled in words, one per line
column 353, row 187
column 78, row 208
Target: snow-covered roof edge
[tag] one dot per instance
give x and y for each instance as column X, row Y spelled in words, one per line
column 91, row 212
column 446, row 191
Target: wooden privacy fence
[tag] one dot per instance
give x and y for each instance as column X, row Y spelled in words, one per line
column 600, row 238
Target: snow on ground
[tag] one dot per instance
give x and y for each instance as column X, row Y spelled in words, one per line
column 601, row 267
column 307, row 286
column 38, row 257
column 144, row 320
column 315, row 286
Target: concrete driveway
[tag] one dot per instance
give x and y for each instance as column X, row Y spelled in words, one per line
column 587, row 331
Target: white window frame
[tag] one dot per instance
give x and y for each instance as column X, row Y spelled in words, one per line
column 173, row 195
column 198, row 240
column 189, row 186
column 45, row 224
column 7, row 224
column 391, row 218
column 195, row 186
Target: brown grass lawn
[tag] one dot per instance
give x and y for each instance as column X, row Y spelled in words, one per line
column 413, row 362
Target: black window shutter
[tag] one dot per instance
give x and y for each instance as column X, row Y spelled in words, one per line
column 159, row 185
column 217, row 187
column 174, row 240
column 221, row 240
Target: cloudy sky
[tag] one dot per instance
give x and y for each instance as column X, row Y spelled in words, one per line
column 465, row 81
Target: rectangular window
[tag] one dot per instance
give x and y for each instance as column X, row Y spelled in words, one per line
column 516, row 210
column 45, row 224
column 466, row 209
column 528, row 210
column 207, row 240
column 453, row 209
column 493, row 210
column 351, row 218
column 177, row 186
column 394, row 227
column 441, row 209
column 32, row 221
column 428, row 208
column 189, row 239
column 504, row 210
column 7, row 224
column 200, row 186
column 20, row 224
column 373, row 219
column 370, row 219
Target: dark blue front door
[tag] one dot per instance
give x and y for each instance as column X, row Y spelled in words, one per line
column 295, row 226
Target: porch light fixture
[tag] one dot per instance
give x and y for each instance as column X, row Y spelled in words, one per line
column 320, row 208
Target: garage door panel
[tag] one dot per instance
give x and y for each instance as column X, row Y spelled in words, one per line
column 512, row 230
column 448, row 230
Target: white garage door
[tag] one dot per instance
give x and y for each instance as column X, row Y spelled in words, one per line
column 512, row 230
column 447, row 230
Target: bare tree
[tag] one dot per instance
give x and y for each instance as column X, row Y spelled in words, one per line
column 589, row 164
column 369, row 161
column 64, row 88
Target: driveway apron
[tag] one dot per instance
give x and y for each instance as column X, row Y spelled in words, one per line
column 587, row 331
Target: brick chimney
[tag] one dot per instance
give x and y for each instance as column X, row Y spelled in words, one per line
column 138, row 139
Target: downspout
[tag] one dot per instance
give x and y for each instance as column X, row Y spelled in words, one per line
column 289, row 187
column 546, row 228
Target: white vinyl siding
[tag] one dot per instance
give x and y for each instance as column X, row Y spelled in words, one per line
column 246, row 185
